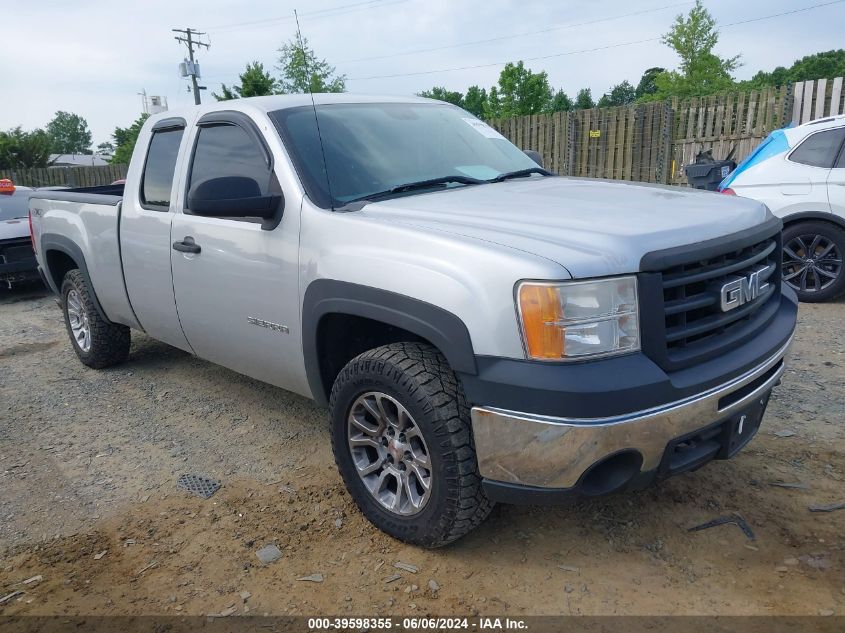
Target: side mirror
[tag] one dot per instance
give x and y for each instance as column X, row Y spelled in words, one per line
column 232, row 197
column 535, row 156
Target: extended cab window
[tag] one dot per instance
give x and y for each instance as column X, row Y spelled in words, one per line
column 819, row 149
column 225, row 151
column 157, row 179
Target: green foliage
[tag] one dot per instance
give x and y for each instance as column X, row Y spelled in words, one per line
column 701, row 71
column 647, row 87
column 474, row 100
column 69, row 134
column 441, row 94
column 124, row 140
column 620, row 95
column 522, row 91
column 584, row 100
column 821, row 65
column 19, row 149
column 560, row 102
column 493, row 106
column 255, row 82
column 303, row 72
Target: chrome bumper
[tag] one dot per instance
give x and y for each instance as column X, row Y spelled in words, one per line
column 551, row 452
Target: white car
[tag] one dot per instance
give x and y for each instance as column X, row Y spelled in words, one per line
column 799, row 173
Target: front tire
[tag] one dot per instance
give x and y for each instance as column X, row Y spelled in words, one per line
column 403, row 444
column 813, row 260
column 98, row 343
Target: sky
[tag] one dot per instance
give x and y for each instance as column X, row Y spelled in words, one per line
column 93, row 57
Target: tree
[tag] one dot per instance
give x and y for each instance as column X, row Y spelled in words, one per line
column 560, row 102
column 701, row 71
column 441, row 94
column 647, row 87
column 818, row 66
column 303, row 72
column 106, row 148
column 620, row 95
column 24, row 149
column 69, row 134
column 493, row 106
column 255, row 82
column 124, row 140
column 522, row 91
column 475, row 100
column 584, row 100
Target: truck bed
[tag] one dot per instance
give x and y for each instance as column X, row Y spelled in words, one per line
column 103, row 194
column 84, row 223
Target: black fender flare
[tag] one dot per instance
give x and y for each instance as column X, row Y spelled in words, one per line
column 440, row 327
column 814, row 215
column 55, row 242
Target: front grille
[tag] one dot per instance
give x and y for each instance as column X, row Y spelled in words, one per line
column 17, row 250
column 695, row 327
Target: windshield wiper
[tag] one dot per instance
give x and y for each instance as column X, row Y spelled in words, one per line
column 420, row 184
column 520, row 173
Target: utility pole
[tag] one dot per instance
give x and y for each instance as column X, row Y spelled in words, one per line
column 192, row 68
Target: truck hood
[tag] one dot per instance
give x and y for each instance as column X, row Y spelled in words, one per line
column 590, row 227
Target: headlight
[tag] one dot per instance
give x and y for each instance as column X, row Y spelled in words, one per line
column 579, row 318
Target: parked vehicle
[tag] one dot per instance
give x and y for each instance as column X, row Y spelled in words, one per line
column 799, row 173
column 480, row 329
column 17, row 260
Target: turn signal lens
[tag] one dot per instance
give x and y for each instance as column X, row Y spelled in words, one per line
column 579, row 318
column 540, row 305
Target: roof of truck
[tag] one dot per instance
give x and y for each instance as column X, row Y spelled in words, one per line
column 281, row 102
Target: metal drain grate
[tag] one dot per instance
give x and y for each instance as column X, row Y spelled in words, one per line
column 198, row 485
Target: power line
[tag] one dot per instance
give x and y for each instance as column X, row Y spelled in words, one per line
column 313, row 15
column 515, row 35
column 191, row 68
column 589, row 50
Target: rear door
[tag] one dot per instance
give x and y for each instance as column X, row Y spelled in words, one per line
column 836, row 183
column 810, row 164
column 145, row 221
column 238, row 297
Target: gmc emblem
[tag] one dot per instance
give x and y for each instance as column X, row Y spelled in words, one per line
column 741, row 290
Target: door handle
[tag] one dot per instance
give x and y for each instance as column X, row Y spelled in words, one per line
column 187, row 245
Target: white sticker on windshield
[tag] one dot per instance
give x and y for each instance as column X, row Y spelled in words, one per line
column 482, row 128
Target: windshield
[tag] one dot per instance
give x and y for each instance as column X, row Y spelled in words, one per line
column 374, row 147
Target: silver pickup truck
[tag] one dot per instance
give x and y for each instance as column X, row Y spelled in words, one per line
column 481, row 330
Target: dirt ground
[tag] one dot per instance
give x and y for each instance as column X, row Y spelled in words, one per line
column 90, row 509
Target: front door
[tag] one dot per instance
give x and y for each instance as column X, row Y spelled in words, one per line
column 237, row 295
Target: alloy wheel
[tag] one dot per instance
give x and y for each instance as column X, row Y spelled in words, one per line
column 78, row 319
column 811, row 262
column 389, row 453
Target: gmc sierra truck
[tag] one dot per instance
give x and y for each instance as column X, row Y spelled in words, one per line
column 480, row 329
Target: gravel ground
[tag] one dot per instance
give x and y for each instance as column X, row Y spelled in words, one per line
column 89, row 461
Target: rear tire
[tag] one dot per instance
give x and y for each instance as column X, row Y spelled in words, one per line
column 813, row 260
column 98, row 343
column 400, row 421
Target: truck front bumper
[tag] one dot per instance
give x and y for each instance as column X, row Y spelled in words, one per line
column 17, row 261
column 540, row 458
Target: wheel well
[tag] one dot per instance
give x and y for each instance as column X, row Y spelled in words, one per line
column 341, row 337
column 813, row 218
column 58, row 265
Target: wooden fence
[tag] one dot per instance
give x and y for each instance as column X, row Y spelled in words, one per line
column 653, row 142
column 817, row 99
column 65, row 176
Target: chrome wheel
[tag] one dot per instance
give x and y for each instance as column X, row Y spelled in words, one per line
column 389, row 453
column 811, row 262
column 77, row 317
